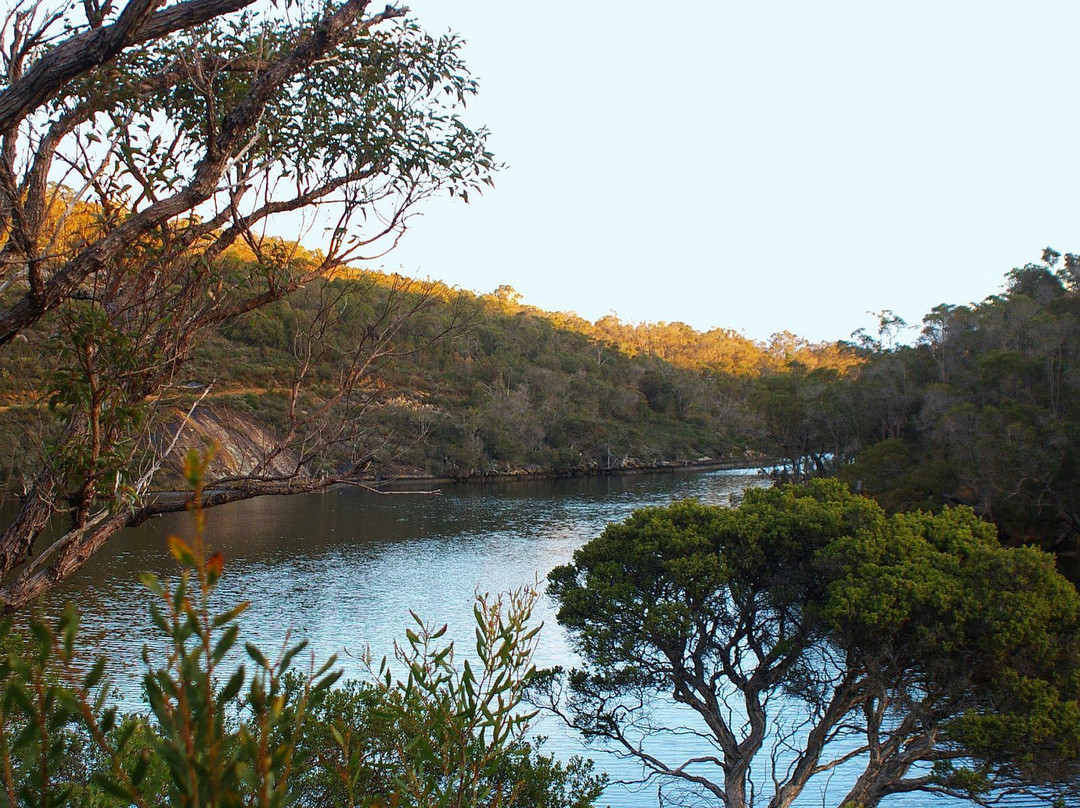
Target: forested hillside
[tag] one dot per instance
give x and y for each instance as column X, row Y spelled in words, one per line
column 474, row 385
column 468, row 385
column 386, row 377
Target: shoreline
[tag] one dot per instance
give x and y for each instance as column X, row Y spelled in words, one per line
column 402, row 483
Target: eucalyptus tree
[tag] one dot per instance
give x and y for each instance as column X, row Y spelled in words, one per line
column 148, row 155
column 805, row 634
column 981, row 411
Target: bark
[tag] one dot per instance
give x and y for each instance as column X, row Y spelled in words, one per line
column 75, row 56
column 17, row 540
column 874, row 785
column 845, row 698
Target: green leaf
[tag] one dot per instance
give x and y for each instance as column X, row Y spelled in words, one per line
column 108, row 719
column 151, row 582
column 226, row 641
column 232, row 687
column 326, row 666
column 93, row 676
column 67, row 627
column 231, row 614
column 327, row 681
column 125, row 734
column 142, row 766
column 256, row 655
column 158, row 618
column 287, row 657
column 111, row 787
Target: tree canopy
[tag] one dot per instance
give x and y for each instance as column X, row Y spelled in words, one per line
column 806, row 631
column 982, row 410
column 149, row 153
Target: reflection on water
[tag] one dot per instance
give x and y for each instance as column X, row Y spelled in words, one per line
column 344, row 568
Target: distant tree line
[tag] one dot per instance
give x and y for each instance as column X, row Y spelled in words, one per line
column 982, row 410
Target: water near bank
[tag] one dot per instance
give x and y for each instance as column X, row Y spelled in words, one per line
column 343, row 569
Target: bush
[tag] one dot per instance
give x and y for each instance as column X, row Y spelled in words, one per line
column 448, row 734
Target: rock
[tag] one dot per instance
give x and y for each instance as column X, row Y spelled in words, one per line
column 242, row 444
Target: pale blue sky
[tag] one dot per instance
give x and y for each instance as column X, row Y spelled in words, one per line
column 761, row 165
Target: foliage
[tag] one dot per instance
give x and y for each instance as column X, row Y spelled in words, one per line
column 215, row 736
column 150, row 152
column 521, row 389
column 983, row 410
column 500, row 392
column 450, row 735
column 806, row 630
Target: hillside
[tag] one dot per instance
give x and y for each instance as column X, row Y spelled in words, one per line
column 448, row 383
column 376, row 376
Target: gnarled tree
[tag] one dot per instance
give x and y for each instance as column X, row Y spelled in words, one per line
column 147, row 155
column 806, row 639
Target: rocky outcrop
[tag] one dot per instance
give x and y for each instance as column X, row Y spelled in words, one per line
column 242, row 445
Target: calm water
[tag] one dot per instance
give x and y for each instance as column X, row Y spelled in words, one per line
column 343, row 569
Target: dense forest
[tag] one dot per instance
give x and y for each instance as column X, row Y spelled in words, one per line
column 982, row 410
column 483, row 384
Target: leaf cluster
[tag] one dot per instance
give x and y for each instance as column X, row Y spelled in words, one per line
column 916, row 638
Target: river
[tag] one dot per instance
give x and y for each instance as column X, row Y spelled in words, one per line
column 343, row 569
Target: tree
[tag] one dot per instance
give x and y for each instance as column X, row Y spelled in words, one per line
column 981, row 411
column 805, row 631
column 807, row 418
column 147, row 156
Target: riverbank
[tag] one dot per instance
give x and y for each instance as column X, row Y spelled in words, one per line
column 403, row 478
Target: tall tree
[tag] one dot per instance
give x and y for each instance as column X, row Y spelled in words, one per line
column 982, row 411
column 147, row 155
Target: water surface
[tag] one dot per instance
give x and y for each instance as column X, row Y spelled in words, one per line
column 343, row 569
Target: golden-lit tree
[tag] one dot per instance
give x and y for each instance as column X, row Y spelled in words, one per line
column 147, row 152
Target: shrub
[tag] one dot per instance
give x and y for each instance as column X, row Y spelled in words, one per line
column 448, row 734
